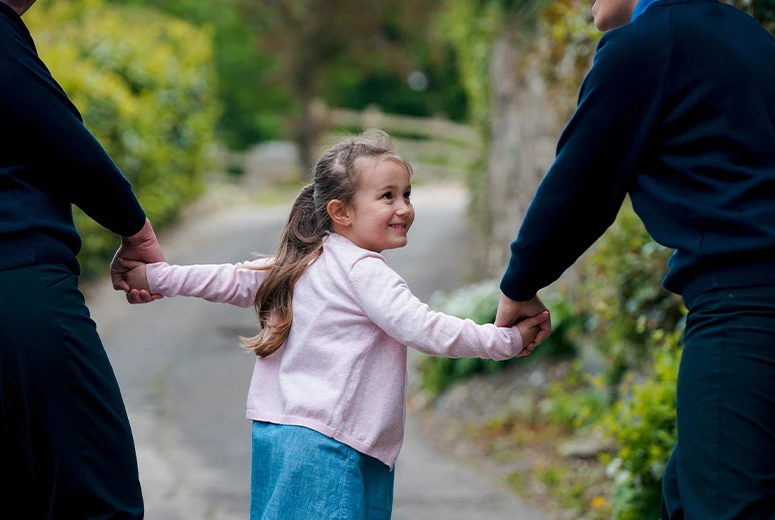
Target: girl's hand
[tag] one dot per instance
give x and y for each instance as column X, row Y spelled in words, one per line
column 135, row 275
column 529, row 329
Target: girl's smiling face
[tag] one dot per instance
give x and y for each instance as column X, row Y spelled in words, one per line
column 381, row 213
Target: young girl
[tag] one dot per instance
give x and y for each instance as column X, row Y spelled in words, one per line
column 328, row 391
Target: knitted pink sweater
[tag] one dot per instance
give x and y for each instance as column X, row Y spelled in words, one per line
column 342, row 370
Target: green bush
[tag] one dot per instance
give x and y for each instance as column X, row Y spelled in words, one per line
column 479, row 303
column 253, row 106
column 621, row 296
column 144, row 83
column 643, row 427
column 577, row 402
column 635, row 326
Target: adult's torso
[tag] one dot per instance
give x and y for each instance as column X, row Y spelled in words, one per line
column 36, row 222
column 705, row 185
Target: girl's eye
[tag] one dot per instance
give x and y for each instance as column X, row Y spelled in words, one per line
column 387, row 196
column 408, row 195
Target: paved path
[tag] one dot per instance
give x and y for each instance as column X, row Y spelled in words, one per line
column 185, row 380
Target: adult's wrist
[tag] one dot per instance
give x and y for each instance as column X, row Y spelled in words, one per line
column 146, row 234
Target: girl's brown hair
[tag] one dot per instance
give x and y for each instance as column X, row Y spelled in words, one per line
column 335, row 177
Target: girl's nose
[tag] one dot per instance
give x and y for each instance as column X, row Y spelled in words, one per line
column 402, row 209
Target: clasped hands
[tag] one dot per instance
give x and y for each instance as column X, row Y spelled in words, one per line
column 511, row 312
column 135, row 251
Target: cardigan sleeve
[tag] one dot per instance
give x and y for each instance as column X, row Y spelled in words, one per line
column 387, row 301
column 579, row 198
column 235, row 284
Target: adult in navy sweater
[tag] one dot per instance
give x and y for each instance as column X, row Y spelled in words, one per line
column 66, row 448
column 678, row 111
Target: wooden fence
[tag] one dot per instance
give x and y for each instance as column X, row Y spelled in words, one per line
column 438, row 149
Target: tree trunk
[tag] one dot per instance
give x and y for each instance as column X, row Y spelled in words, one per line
column 524, row 131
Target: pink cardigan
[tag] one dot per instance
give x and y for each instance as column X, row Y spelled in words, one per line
column 342, row 370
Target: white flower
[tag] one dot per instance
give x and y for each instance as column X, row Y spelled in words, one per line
column 613, row 468
column 622, row 477
column 657, row 470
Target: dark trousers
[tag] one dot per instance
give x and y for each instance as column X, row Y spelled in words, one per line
column 66, row 449
column 723, row 466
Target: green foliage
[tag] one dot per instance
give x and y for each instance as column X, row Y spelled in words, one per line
column 144, row 84
column 479, row 303
column 570, row 39
column 762, row 10
column 350, row 53
column 643, row 426
column 253, row 106
column 471, row 27
column 576, row 403
column 621, row 296
column 357, row 87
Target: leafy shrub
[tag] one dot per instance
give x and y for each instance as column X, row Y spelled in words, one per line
column 621, row 297
column 578, row 402
column 643, row 426
column 144, row 84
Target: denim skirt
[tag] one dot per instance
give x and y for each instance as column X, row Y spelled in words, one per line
column 300, row 474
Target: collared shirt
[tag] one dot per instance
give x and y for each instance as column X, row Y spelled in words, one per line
column 641, row 7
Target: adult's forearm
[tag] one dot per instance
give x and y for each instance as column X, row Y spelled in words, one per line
column 49, row 134
column 619, row 106
column 104, row 194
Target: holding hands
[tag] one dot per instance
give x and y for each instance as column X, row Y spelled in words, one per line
column 532, row 319
column 531, row 329
column 135, row 275
column 135, row 251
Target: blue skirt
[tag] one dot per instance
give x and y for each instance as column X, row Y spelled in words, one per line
column 301, row 474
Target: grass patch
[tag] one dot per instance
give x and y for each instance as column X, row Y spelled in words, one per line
column 526, row 444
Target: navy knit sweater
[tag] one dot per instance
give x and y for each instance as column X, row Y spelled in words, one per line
column 48, row 161
column 678, row 110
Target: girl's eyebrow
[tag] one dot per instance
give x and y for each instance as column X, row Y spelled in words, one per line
column 394, row 187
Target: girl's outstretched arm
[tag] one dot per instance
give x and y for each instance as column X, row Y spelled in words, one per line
column 236, row 284
column 386, row 299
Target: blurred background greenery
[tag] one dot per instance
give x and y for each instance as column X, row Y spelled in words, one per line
column 163, row 83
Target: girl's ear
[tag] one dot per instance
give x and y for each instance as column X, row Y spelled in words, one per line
column 339, row 212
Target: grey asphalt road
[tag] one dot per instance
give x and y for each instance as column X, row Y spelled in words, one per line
column 185, row 380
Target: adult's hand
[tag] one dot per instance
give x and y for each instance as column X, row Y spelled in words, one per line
column 511, row 312
column 143, row 247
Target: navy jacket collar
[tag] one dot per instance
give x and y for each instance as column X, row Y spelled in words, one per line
column 643, row 5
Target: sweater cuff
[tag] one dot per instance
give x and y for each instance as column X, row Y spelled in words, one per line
column 517, row 341
column 152, row 276
column 133, row 223
column 512, row 286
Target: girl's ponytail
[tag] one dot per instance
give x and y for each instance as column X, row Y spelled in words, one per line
column 300, row 244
